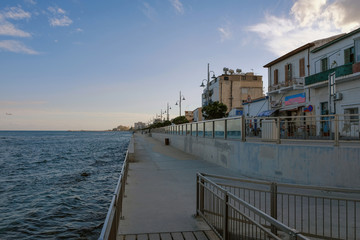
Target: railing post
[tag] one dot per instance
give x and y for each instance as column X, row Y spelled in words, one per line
column 226, row 217
column 336, row 139
column 243, row 129
column 225, row 129
column 273, row 204
column 278, row 141
column 201, row 193
column 213, row 129
column 197, row 194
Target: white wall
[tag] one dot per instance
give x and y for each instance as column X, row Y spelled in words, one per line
column 334, row 52
column 299, row 164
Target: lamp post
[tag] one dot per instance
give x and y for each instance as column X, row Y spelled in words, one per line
column 208, row 83
column 167, row 111
column 179, row 102
column 161, row 113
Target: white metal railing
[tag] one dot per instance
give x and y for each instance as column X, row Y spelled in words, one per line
column 332, row 128
column 111, row 224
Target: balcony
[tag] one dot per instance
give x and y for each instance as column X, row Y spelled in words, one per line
column 323, row 76
column 293, row 84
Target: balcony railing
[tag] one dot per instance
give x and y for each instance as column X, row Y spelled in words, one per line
column 323, row 76
column 292, row 82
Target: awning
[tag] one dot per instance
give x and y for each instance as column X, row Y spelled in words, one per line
column 267, row 113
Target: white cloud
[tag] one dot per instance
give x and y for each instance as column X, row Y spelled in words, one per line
column 308, row 20
column 225, row 32
column 58, row 17
column 9, row 29
column 79, row 30
column 149, row 11
column 32, row 2
column 16, row 47
column 16, row 13
column 178, row 6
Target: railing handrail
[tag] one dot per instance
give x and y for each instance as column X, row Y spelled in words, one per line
column 308, row 187
column 266, row 217
column 107, row 227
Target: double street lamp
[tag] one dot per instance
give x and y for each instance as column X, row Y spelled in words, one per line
column 208, row 83
column 178, row 102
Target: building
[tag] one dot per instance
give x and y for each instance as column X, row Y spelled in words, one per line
column 286, row 77
column 197, row 115
column 334, row 82
column 256, row 107
column 139, row 125
column 232, row 88
column 189, row 115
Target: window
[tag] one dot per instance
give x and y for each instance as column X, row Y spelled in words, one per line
column 302, row 67
column 254, row 78
column 288, row 73
column 243, row 77
column 324, row 64
column 276, row 77
column 349, row 55
column 357, row 50
column 354, row 120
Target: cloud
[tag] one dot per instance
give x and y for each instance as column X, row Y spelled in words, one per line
column 225, row 32
column 32, row 2
column 9, row 29
column 178, row 6
column 307, row 21
column 16, row 47
column 16, row 13
column 79, row 30
column 149, row 11
column 58, row 17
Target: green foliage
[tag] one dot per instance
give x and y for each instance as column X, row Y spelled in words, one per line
column 179, row 120
column 159, row 124
column 214, row 110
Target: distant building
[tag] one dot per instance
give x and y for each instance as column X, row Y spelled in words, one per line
column 189, row 115
column 232, row 89
column 197, row 115
column 139, row 125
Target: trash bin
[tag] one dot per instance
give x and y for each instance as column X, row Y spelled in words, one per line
column 167, row 142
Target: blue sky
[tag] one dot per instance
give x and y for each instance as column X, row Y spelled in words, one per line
column 91, row 64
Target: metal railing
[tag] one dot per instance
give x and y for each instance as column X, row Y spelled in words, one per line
column 316, row 212
column 111, row 224
column 331, row 128
column 324, row 76
column 231, row 217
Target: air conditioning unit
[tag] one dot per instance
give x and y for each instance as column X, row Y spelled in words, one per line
column 338, row 96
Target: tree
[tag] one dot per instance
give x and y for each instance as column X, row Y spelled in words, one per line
column 214, row 110
column 179, row 120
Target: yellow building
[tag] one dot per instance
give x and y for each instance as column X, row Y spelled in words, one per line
column 233, row 88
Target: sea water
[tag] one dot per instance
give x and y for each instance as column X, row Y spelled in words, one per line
column 57, row 185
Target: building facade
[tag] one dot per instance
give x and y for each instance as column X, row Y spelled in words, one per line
column 334, row 83
column 232, row 89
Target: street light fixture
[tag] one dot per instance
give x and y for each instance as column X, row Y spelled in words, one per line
column 178, row 102
column 208, row 83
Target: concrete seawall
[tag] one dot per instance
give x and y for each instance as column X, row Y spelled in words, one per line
column 303, row 163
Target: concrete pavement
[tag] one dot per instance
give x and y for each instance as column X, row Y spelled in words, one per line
column 161, row 189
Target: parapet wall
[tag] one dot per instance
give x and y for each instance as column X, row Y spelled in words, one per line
column 289, row 163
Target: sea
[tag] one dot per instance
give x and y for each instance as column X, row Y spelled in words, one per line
column 58, row 185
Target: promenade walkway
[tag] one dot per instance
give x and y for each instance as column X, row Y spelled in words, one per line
column 160, row 193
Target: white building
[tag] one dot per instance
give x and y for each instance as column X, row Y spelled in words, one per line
column 139, row 125
column 286, row 76
column 257, row 107
column 339, row 59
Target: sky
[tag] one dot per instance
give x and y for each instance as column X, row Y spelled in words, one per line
column 94, row 65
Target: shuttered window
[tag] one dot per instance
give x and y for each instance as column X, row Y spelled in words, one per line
column 276, row 77
column 324, row 64
column 302, row 67
column 288, row 73
column 349, row 55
